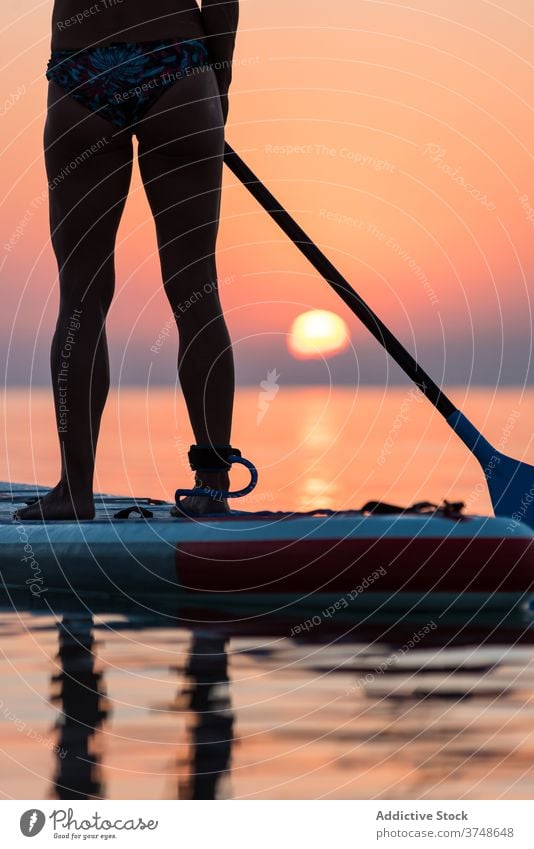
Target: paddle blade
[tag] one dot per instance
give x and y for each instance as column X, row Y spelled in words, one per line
column 510, row 482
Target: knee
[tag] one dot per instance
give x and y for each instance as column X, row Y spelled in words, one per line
column 81, row 250
column 91, row 306
column 198, row 307
column 92, row 296
column 86, row 267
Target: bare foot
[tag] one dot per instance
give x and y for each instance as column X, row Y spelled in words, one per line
column 200, row 505
column 58, row 504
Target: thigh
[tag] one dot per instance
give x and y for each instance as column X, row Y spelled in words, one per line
column 88, row 165
column 181, row 148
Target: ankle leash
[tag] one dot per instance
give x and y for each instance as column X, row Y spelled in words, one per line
column 217, row 458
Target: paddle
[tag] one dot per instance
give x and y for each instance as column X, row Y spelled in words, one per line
column 510, row 482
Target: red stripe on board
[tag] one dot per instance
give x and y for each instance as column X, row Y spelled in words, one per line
column 411, row 565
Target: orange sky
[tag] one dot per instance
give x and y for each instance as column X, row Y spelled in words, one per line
column 399, row 135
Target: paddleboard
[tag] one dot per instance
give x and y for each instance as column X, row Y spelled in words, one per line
column 355, row 561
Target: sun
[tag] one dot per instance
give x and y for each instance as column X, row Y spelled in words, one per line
column 316, row 334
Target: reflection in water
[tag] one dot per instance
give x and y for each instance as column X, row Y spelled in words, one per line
column 206, row 695
column 320, row 718
column 78, row 690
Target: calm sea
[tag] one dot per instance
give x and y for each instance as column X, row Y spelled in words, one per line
column 115, row 706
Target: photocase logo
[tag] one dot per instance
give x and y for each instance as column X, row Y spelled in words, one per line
column 32, row 822
column 269, row 390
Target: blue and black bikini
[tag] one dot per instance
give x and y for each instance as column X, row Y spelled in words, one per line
column 122, row 80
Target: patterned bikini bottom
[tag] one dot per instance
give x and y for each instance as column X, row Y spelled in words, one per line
column 122, row 80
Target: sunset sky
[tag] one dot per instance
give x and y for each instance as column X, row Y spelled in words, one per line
column 399, row 134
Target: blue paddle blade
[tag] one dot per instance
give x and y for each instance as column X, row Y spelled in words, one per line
column 510, row 482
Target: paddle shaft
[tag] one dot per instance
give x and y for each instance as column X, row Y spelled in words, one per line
column 338, row 283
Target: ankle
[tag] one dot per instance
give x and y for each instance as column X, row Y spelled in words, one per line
column 74, row 489
column 212, row 480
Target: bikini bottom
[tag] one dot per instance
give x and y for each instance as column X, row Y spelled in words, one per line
column 122, row 80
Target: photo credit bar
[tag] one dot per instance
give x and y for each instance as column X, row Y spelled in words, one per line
column 241, row 823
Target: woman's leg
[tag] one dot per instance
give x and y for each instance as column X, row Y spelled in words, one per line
column 181, row 147
column 88, row 168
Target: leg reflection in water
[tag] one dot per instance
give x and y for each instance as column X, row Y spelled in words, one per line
column 79, row 692
column 206, row 695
